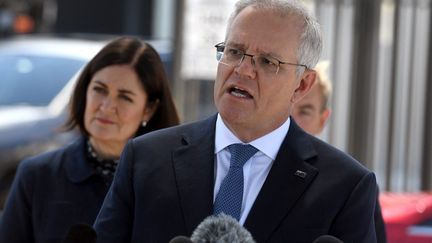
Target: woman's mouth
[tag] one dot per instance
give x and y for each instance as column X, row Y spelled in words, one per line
column 105, row 121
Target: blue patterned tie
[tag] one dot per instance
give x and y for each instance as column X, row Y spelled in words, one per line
column 230, row 195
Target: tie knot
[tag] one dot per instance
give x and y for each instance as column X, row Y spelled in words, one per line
column 240, row 153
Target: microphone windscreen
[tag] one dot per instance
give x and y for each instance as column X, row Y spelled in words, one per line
column 80, row 233
column 221, row 229
column 327, row 239
column 180, row 239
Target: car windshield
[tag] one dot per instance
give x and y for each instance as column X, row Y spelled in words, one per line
column 33, row 80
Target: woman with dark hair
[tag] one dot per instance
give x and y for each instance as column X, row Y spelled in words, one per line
column 123, row 92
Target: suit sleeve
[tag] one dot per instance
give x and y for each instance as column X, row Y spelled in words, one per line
column 115, row 219
column 16, row 221
column 360, row 206
column 379, row 222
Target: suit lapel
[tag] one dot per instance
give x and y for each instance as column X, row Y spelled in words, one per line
column 288, row 178
column 194, row 170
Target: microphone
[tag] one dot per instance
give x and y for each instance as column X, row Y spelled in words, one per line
column 327, row 239
column 80, row 233
column 180, row 239
column 221, row 229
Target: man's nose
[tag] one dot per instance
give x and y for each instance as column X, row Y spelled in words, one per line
column 246, row 68
column 252, row 60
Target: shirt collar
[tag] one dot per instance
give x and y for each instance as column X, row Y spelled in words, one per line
column 268, row 144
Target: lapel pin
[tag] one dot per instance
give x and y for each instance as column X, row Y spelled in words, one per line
column 301, row 174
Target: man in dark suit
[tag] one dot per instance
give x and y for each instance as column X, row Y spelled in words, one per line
column 311, row 114
column 291, row 187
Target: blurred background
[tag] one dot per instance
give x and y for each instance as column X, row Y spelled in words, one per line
column 379, row 50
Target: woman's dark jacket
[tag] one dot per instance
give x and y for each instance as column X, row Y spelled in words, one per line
column 50, row 193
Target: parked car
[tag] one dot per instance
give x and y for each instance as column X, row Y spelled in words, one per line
column 407, row 216
column 36, row 81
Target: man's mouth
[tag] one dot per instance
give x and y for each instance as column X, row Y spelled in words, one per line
column 237, row 92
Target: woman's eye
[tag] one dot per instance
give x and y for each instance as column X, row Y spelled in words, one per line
column 127, row 98
column 99, row 89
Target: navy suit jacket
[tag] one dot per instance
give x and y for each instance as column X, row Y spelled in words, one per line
column 163, row 187
column 50, row 193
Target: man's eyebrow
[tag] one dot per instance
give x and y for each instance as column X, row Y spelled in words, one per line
column 236, row 45
column 259, row 51
column 307, row 106
column 269, row 54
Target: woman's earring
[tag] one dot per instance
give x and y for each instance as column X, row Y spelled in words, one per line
column 144, row 123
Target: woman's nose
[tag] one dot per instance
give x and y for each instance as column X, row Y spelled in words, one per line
column 108, row 104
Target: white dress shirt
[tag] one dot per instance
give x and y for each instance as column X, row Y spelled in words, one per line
column 256, row 169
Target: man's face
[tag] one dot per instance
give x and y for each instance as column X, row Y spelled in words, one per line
column 309, row 112
column 253, row 103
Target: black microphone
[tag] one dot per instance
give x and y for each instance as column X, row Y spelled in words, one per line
column 327, row 239
column 221, row 229
column 180, row 239
column 80, row 233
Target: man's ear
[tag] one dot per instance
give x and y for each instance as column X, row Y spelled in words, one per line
column 323, row 118
column 306, row 82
